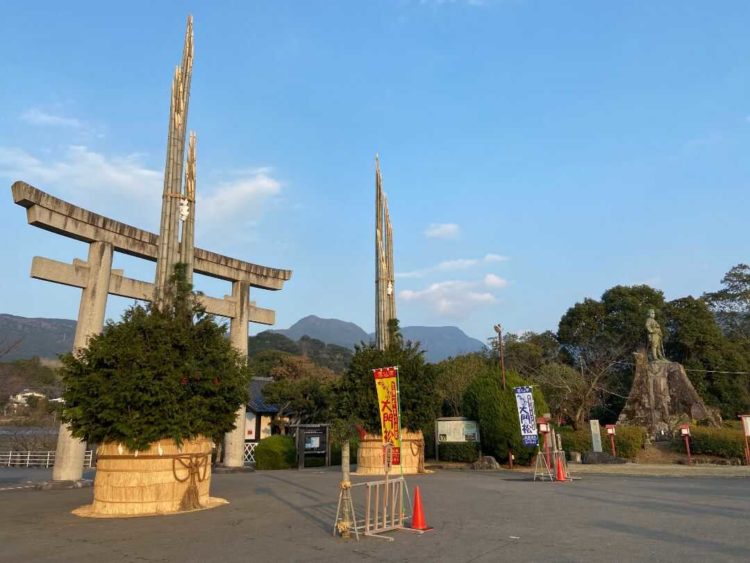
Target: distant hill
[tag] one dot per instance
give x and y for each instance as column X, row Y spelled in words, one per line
column 330, row 331
column 439, row 342
column 44, row 338
column 331, row 356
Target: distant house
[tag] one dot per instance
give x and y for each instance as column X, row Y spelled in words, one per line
column 20, row 402
column 259, row 413
column 22, row 398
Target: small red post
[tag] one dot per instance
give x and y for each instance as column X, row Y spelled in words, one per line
column 745, row 418
column 611, row 433
column 543, row 424
column 685, row 431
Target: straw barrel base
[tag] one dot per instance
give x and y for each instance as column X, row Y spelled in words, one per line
column 87, row 510
column 370, row 454
column 127, row 484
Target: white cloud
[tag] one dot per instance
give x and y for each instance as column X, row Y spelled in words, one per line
column 82, row 172
column 453, row 265
column 494, row 258
column 450, row 299
column 442, row 231
column 36, row 116
column 459, row 264
column 237, row 201
column 124, row 188
column 491, row 280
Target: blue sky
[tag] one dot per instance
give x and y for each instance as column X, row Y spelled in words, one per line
column 534, row 152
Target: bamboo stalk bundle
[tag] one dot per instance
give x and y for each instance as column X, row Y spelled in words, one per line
column 168, row 250
column 187, row 241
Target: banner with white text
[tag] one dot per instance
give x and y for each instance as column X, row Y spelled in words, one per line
column 526, row 415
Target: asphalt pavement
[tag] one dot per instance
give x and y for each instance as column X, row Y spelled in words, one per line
column 477, row 516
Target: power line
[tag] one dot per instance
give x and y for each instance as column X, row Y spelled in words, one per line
column 624, row 363
column 717, row 371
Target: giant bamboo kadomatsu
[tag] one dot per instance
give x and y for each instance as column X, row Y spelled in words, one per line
column 385, row 289
column 175, row 202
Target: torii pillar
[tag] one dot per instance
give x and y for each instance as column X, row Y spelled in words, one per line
column 234, row 440
column 70, row 450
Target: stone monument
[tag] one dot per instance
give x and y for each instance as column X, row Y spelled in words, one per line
column 662, row 396
column 596, row 435
column 96, row 278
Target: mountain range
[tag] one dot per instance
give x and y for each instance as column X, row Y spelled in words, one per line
column 439, row 342
column 46, row 338
column 26, row 338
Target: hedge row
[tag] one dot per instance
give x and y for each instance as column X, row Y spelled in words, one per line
column 629, row 440
column 276, row 452
column 467, row 452
column 721, row 442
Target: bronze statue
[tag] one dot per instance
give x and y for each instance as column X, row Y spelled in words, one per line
column 655, row 340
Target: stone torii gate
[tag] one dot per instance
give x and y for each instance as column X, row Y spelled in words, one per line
column 104, row 236
column 97, row 279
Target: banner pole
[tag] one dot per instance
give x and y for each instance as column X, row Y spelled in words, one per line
column 401, row 439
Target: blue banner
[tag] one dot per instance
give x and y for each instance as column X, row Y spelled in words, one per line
column 526, row 416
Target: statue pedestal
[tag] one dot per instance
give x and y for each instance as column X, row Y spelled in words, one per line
column 662, row 397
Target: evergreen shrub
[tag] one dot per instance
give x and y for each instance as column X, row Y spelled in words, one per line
column 722, row 442
column 357, row 397
column 467, row 452
column 629, row 440
column 495, row 409
column 275, row 452
column 576, row 440
column 159, row 373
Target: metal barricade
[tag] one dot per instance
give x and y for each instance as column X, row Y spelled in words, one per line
column 385, row 509
column 386, row 504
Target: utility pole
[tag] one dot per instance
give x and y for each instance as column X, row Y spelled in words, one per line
column 500, row 350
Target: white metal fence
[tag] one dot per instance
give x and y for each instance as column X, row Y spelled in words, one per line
column 37, row 459
column 249, row 457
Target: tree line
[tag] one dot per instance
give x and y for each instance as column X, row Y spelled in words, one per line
column 584, row 369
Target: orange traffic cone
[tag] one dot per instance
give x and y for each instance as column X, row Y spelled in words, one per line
column 559, row 470
column 417, row 515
